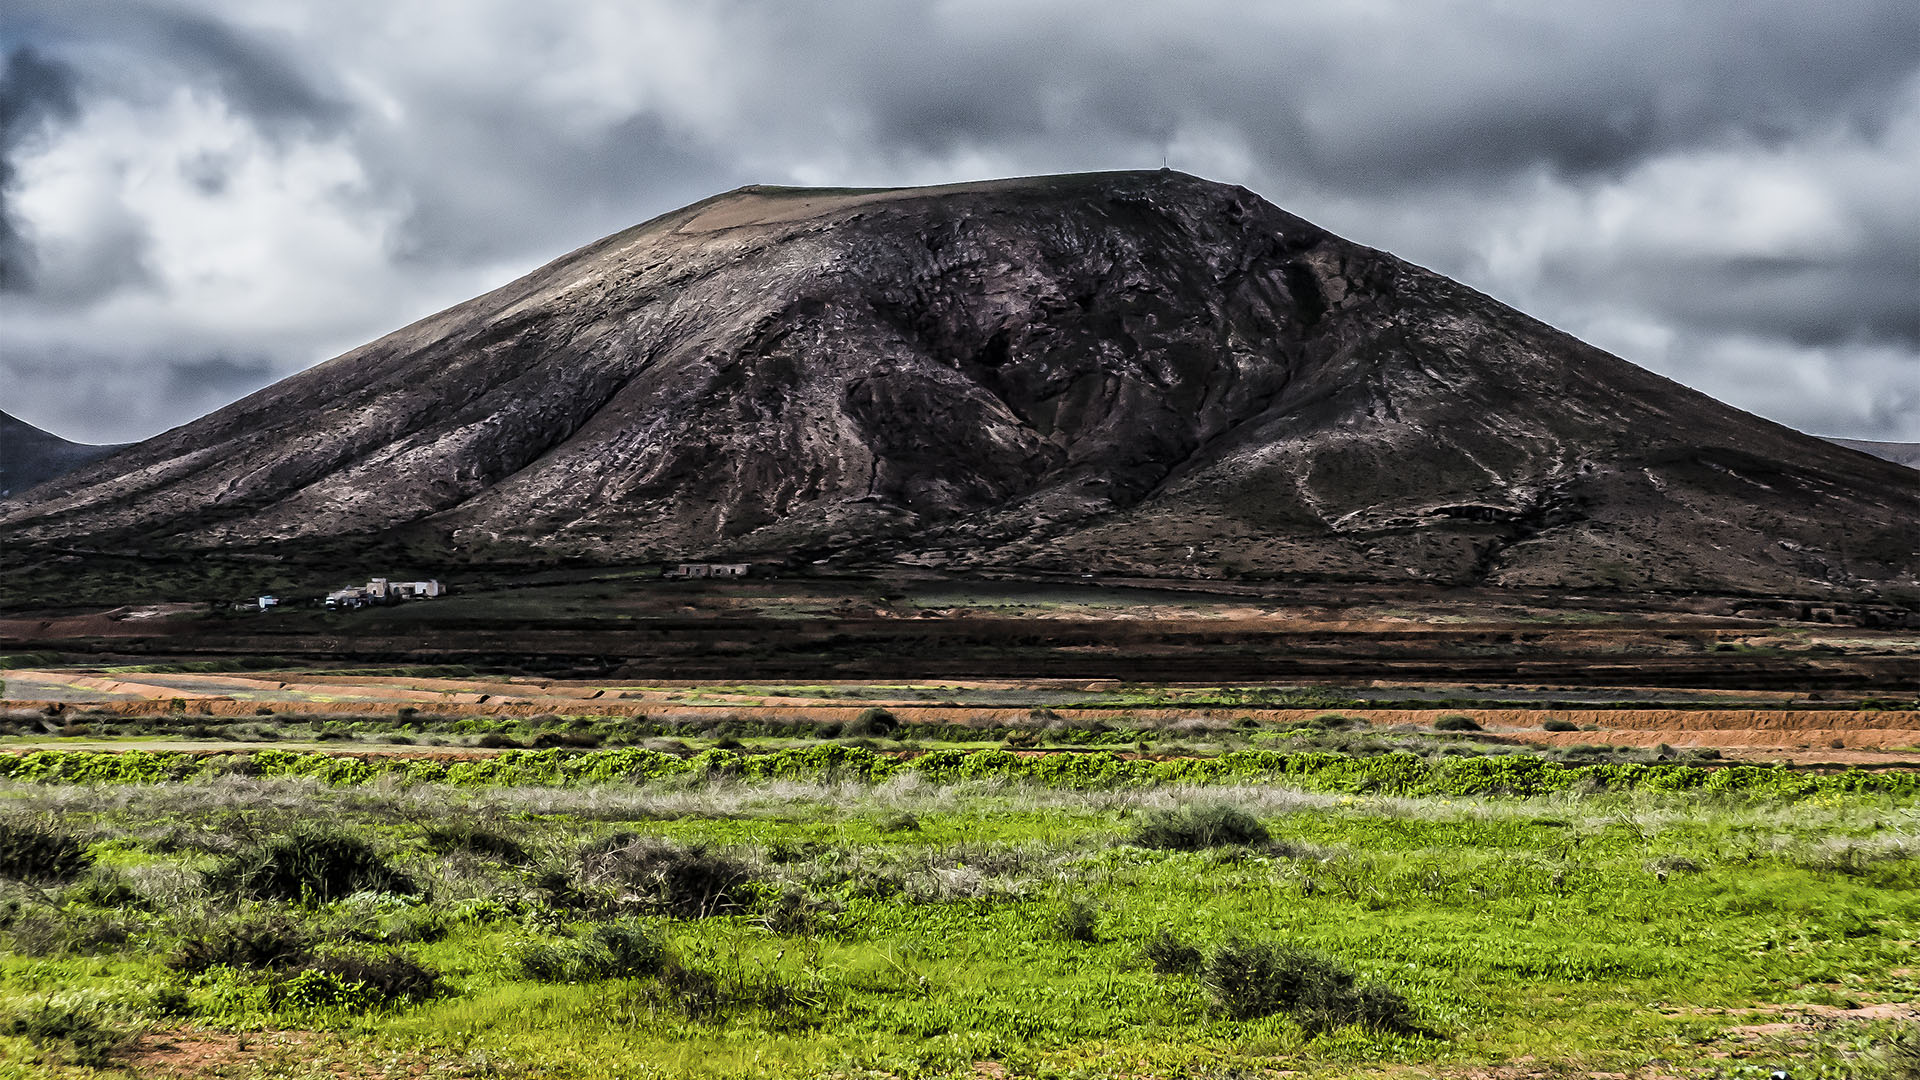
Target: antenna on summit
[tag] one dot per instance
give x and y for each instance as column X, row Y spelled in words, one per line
column 1163, row 163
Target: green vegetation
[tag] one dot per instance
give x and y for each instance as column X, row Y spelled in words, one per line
column 834, row 910
column 1403, row 774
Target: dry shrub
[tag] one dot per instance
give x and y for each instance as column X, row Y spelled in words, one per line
column 38, row 853
column 314, row 865
column 693, row 881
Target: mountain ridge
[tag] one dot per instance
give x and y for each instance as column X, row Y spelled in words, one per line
column 30, row 456
column 1125, row 372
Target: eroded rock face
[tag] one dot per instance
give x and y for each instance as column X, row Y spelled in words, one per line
column 1141, row 372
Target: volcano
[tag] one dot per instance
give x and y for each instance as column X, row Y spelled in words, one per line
column 1140, row 373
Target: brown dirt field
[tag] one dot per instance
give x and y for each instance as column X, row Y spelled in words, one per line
column 1831, row 735
column 201, row 1053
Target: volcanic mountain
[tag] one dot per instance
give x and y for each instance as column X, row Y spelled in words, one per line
column 1142, row 373
column 30, row 456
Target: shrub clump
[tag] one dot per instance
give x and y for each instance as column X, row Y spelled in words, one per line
column 623, row 949
column 37, row 853
column 1253, row 979
column 1557, row 724
column 1456, row 722
column 691, row 882
column 358, row 982
column 871, row 722
column 274, row 942
column 314, row 866
column 1193, row 828
column 70, row 1033
column 1168, row 955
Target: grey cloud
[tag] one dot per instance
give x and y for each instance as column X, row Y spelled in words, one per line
column 34, row 92
column 1806, row 300
column 544, row 189
column 98, row 397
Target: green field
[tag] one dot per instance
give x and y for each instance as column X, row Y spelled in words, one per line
column 986, row 918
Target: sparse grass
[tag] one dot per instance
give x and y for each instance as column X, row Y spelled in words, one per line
column 801, row 926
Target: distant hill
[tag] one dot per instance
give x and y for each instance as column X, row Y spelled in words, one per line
column 1140, row 373
column 30, row 456
column 1900, row 453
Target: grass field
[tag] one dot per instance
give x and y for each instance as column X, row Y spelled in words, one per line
column 926, row 924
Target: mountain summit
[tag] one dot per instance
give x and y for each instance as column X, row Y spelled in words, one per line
column 1139, row 372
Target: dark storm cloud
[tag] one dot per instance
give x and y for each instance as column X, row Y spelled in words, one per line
column 1593, row 164
column 152, row 47
column 34, row 91
column 1430, row 91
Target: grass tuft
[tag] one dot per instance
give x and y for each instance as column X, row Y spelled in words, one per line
column 1078, row 921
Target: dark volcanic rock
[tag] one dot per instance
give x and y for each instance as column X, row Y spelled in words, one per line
column 1126, row 372
column 30, row 456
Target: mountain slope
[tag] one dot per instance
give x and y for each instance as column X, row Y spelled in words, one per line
column 1133, row 372
column 30, row 456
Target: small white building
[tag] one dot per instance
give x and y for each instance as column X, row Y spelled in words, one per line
column 383, row 591
column 266, row 602
column 707, row 570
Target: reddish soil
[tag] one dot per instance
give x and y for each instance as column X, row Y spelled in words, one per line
column 200, row 1053
column 1828, row 736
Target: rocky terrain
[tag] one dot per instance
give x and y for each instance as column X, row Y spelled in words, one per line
column 30, row 456
column 1141, row 373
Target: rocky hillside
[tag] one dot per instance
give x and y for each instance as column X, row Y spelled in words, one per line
column 30, row 456
column 1124, row 372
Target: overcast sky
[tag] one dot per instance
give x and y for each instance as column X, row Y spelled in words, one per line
column 199, row 198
